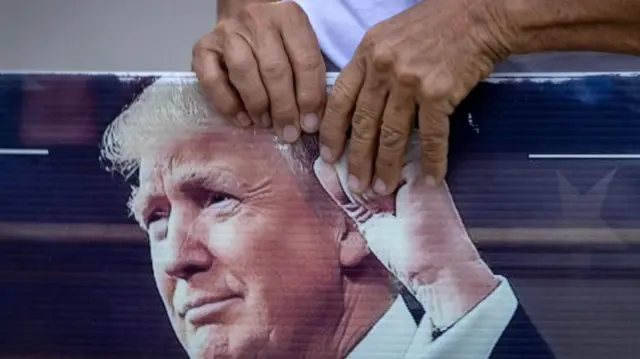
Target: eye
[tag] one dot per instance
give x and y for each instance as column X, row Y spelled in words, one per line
column 155, row 224
column 154, row 216
column 215, row 197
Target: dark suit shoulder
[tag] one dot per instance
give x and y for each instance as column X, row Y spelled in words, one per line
column 521, row 340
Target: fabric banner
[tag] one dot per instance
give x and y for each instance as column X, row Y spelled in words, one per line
column 135, row 222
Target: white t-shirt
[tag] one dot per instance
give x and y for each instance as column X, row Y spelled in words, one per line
column 341, row 24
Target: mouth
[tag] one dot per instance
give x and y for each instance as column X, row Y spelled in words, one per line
column 207, row 310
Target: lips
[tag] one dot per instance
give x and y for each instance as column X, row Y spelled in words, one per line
column 205, row 309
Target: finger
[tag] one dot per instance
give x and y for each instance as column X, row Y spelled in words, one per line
column 394, row 136
column 365, row 128
column 215, row 83
column 308, row 66
column 277, row 78
column 337, row 115
column 245, row 77
column 330, row 182
column 434, row 143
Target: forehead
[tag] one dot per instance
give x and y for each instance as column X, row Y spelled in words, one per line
column 246, row 153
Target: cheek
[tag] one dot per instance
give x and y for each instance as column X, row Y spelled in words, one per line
column 164, row 284
column 245, row 241
column 275, row 242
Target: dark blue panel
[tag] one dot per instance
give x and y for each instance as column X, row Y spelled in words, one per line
column 99, row 300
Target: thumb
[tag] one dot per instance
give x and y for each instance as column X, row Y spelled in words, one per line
column 333, row 184
column 328, row 177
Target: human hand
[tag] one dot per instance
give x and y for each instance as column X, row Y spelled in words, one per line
column 429, row 56
column 263, row 66
column 412, row 231
column 418, row 235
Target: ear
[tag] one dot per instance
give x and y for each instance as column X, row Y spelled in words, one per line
column 353, row 247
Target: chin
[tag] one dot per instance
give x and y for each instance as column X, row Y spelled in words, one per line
column 224, row 342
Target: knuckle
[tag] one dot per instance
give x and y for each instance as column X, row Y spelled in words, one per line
column 333, row 120
column 220, row 27
column 211, row 79
column 362, row 131
column 284, row 113
column 204, row 44
column 369, row 42
column 224, row 28
column 436, row 127
column 238, row 62
column 196, row 67
column 198, row 47
column 440, row 129
column 251, row 12
column 407, row 77
column 392, row 141
column 292, row 8
column 338, row 97
column 273, row 69
column 306, row 61
column 433, row 149
column 363, row 119
column 437, row 88
column 382, row 58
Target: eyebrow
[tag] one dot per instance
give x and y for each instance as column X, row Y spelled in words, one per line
column 140, row 201
column 193, row 176
column 188, row 177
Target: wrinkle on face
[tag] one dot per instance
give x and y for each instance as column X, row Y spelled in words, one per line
column 271, row 240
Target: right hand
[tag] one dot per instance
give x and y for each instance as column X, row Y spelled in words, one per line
column 418, row 235
column 415, row 231
column 263, row 66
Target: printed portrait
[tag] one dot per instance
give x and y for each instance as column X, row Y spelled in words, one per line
column 137, row 222
column 259, row 249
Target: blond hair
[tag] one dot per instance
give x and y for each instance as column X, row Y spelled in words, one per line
column 175, row 107
column 168, row 109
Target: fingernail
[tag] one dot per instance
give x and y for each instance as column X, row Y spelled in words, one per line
column 266, row 120
column 354, row 183
column 430, row 181
column 310, row 122
column 325, row 154
column 290, row 133
column 243, row 119
column 380, row 187
column 369, row 194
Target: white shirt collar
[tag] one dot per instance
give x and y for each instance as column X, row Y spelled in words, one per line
column 390, row 337
column 474, row 335
column 396, row 335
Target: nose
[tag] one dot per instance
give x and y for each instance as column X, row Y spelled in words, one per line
column 188, row 253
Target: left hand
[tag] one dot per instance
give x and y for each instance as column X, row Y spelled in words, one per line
column 429, row 56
